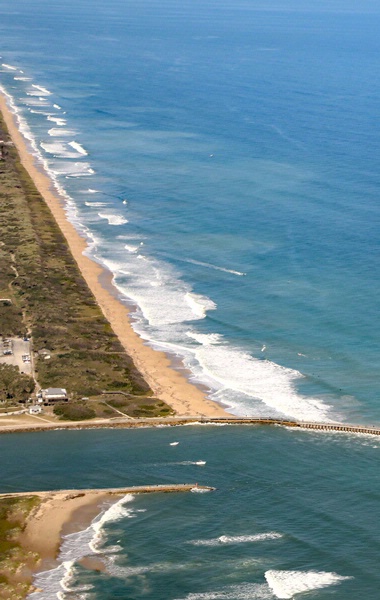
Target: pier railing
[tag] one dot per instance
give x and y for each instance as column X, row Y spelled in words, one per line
column 366, row 429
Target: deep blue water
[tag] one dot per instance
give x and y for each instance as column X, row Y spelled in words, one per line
column 222, row 159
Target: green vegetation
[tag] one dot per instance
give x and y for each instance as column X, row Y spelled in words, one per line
column 50, row 299
column 13, row 516
column 137, row 407
column 114, row 405
column 13, row 385
column 74, row 412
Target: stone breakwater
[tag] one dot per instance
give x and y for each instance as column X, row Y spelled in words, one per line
column 137, row 489
column 128, row 423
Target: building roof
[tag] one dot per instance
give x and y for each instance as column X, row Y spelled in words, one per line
column 55, row 392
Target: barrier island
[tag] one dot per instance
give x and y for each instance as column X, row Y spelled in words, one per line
column 66, row 304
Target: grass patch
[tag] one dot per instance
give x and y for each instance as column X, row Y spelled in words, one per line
column 74, row 412
column 137, row 406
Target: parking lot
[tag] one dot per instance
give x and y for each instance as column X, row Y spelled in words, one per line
column 20, row 356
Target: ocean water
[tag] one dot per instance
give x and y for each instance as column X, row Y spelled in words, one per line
column 222, row 159
column 274, row 527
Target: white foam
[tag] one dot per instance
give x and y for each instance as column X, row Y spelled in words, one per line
column 116, row 512
column 41, row 89
column 122, row 571
column 39, row 112
column 285, row 584
column 56, row 583
column 35, row 94
column 188, row 462
column 48, row 584
column 96, row 204
column 57, row 106
column 78, row 148
column 237, row 539
column 229, row 370
column 199, row 304
column 22, row 78
column 244, row 591
column 54, row 132
column 156, row 288
column 58, row 120
column 58, row 149
column 71, row 169
column 113, row 219
column 34, row 101
column 211, row 266
column 75, row 546
column 245, row 384
column 10, row 67
column 90, row 191
column 68, row 576
column 132, row 249
column 207, row 339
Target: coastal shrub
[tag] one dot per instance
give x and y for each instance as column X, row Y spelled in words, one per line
column 13, row 516
column 118, row 401
column 14, row 385
column 74, row 412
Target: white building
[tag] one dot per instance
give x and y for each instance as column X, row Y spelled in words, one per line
column 52, row 395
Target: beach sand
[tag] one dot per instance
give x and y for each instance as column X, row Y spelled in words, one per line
column 167, row 384
column 54, row 514
column 57, row 513
column 63, row 512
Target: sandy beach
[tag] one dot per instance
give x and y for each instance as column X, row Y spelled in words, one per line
column 57, row 513
column 62, row 512
column 166, row 383
column 56, row 509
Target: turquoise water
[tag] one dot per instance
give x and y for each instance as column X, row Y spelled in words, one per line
column 272, row 515
column 222, row 160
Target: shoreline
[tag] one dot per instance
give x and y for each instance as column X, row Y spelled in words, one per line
column 155, row 366
column 42, row 534
column 62, row 512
